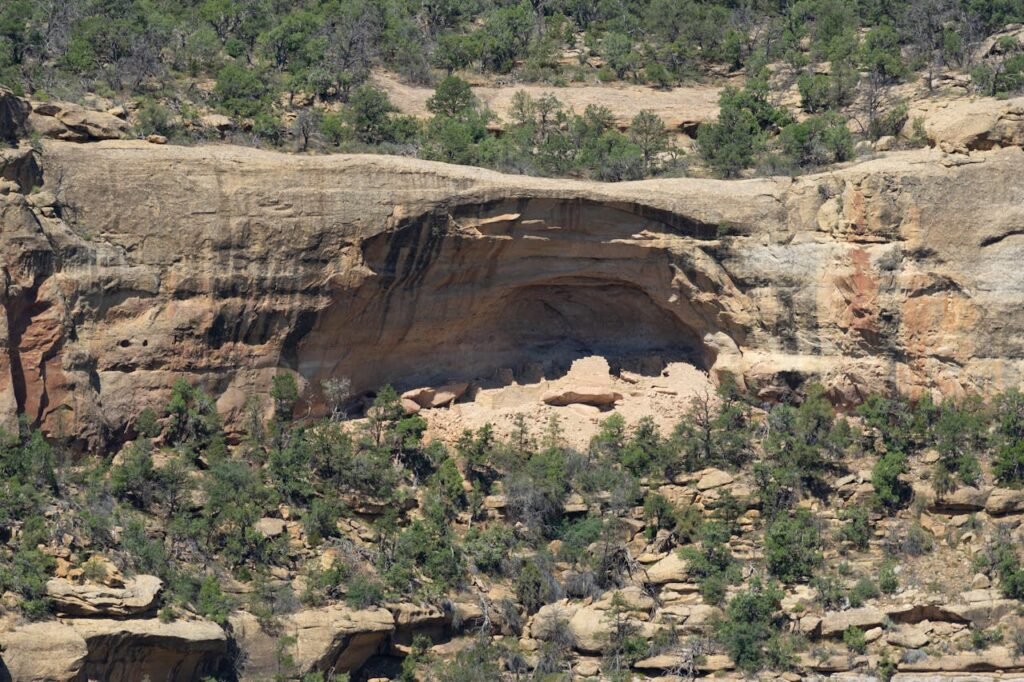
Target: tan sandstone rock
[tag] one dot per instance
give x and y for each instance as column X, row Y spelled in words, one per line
column 628, row 266
column 130, row 650
column 672, row 569
column 835, row 623
column 582, row 395
column 43, row 652
column 139, row 596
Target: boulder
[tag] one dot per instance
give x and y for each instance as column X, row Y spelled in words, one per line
column 588, row 667
column 43, row 652
column 917, row 613
column 270, row 527
column 333, row 637
column 909, row 637
column 42, row 199
column 19, row 170
column 139, row 596
column 885, row 143
column 418, row 619
column 1002, row 501
column 984, row 613
column 94, row 125
column 631, row 597
column 47, row 126
column 672, row 569
column 713, row 478
column 448, row 394
column 582, row 395
column 590, row 628
column 435, row 397
column 549, row 618
column 661, row 663
column 972, row 125
column 835, row 623
column 219, row 122
column 75, row 123
column 699, row 616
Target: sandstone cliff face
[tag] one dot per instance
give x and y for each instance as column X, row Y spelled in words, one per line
column 139, row 264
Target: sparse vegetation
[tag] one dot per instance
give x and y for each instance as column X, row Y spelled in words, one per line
column 300, row 74
column 324, row 476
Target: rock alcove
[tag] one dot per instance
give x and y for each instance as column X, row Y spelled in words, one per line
column 530, row 284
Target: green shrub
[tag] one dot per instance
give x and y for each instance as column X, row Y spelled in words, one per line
column 577, row 536
column 917, row 541
column 146, row 424
column 750, row 625
column 154, row 117
column 819, row 140
column 863, row 590
column 241, row 91
column 489, row 548
column 853, row 638
column 732, row 142
column 211, row 602
column 534, row 587
column 792, row 546
column 888, row 583
column 429, row 548
column 363, row 591
column 1008, row 463
column 890, row 491
column 25, row 574
column 712, row 566
column 857, row 527
column 1003, row 558
column 95, row 569
column 321, row 520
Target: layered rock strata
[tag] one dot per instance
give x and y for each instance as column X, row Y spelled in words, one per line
column 134, row 264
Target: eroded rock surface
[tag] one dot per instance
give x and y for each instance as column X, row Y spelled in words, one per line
column 114, row 651
column 137, row 597
column 226, row 265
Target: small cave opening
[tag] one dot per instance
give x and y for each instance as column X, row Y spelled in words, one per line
column 527, row 287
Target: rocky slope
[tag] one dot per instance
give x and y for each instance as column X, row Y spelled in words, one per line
column 130, row 264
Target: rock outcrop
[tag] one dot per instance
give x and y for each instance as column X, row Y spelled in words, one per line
column 75, row 123
column 139, row 596
column 969, row 125
column 114, row 651
column 227, row 266
column 333, row 638
column 42, row 652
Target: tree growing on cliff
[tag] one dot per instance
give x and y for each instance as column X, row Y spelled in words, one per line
column 648, row 132
column 193, row 421
column 1008, row 464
